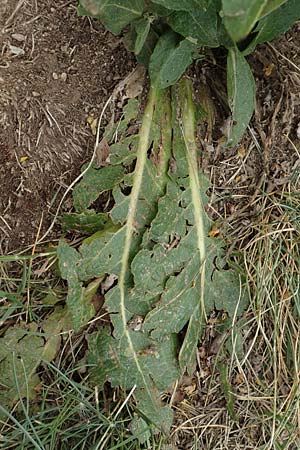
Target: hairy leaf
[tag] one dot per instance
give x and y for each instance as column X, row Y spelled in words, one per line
column 114, row 15
column 276, row 23
column 95, row 182
column 240, row 16
column 87, row 222
column 142, row 28
column 241, row 94
column 22, row 350
column 183, row 5
column 161, row 282
column 197, row 24
column 79, row 299
column 271, row 6
column 170, row 59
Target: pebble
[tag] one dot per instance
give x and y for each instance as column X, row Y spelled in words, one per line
column 18, row 37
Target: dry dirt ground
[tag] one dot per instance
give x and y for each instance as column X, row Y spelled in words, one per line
column 56, row 69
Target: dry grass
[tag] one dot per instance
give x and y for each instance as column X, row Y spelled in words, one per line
column 261, row 408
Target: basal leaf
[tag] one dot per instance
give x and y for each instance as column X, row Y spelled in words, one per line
column 22, row 350
column 129, row 358
column 170, row 59
column 174, row 273
column 79, row 299
column 276, row 23
column 241, row 94
column 161, row 260
column 200, row 25
column 271, row 6
column 183, row 5
column 114, row 15
column 240, row 16
column 87, row 222
column 94, row 183
column 101, row 179
column 142, row 28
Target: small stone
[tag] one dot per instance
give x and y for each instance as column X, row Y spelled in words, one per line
column 55, row 76
column 35, row 94
column 63, row 76
column 18, row 37
column 17, row 51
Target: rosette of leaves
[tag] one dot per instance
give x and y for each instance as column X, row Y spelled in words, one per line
column 167, row 269
column 166, row 35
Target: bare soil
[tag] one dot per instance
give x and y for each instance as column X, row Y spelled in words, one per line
column 56, row 70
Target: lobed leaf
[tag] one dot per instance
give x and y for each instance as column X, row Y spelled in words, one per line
column 154, row 254
column 94, row 183
column 22, row 350
column 86, row 222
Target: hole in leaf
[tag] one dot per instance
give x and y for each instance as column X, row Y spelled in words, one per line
column 126, row 190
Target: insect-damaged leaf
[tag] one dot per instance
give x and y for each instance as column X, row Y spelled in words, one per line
column 86, row 222
column 22, row 350
column 160, row 292
column 94, row 182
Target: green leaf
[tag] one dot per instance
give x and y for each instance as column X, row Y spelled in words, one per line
column 142, row 28
column 140, row 429
column 198, row 25
column 271, row 6
column 156, row 259
column 114, row 15
column 79, row 299
column 94, row 183
column 183, row 5
column 87, row 222
column 241, row 94
column 58, row 321
column 170, row 59
column 240, row 16
column 22, row 350
column 276, row 23
column 145, row 54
